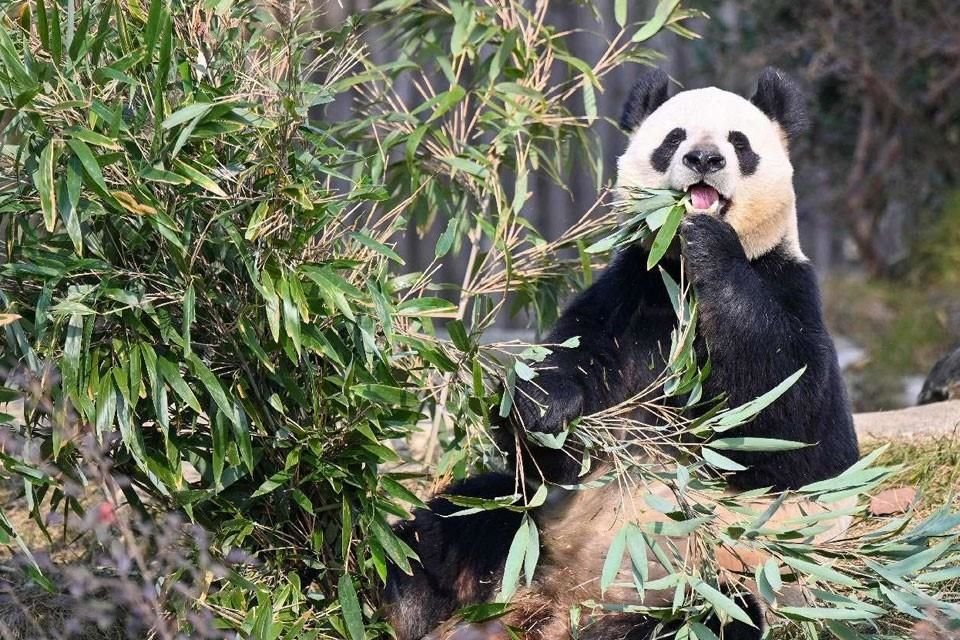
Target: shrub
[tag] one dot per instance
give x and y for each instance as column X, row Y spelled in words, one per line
column 200, row 289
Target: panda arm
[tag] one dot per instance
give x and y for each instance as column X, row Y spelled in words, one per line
column 762, row 322
column 600, row 372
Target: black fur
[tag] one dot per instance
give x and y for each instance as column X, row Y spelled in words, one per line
column 461, row 557
column 663, row 154
column 748, row 159
column 760, row 322
column 649, row 92
column 782, row 101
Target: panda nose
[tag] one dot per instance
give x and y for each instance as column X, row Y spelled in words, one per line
column 704, row 160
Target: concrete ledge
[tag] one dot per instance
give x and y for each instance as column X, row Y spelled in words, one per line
column 925, row 421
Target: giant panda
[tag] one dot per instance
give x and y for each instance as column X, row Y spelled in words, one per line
column 760, row 321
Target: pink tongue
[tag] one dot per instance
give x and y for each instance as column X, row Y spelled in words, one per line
column 703, row 196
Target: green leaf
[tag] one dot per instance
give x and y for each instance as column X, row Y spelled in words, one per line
column 89, row 163
column 350, row 607
column 155, row 17
column 520, row 193
column 378, row 247
column 532, row 556
column 822, row 571
column 386, row 394
column 843, row 632
column 722, row 602
column 604, row 244
column 220, row 441
column 333, row 288
column 620, row 12
column 156, row 174
column 660, row 16
column 665, row 236
column 718, row 461
column 701, row 631
column 446, row 239
column 739, row 415
column 464, row 15
column 272, row 483
column 186, row 114
column 755, row 444
column 189, row 314
column 171, row 373
column 291, row 315
column 458, row 334
column 233, row 413
column 771, row 571
column 589, row 99
column 613, row 560
column 524, row 372
column 920, row 561
column 43, row 180
column 426, row 307
column 198, row 178
column 68, row 201
column 468, row 166
column 818, row 614
column 396, row 548
column 515, row 561
column 94, row 138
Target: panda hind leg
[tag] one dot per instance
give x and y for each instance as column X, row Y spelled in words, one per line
column 461, row 557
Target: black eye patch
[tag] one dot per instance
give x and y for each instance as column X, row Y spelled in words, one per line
column 746, row 156
column 661, row 156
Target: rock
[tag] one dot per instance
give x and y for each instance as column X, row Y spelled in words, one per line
column 943, row 383
column 925, row 421
column 892, row 501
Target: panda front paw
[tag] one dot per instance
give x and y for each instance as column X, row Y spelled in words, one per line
column 546, row 404
column 708, row 244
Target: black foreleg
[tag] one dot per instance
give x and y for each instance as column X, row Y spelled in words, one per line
column 612, row 362
column 761, row 322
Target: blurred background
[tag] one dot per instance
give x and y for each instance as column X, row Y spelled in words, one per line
column 876, row 174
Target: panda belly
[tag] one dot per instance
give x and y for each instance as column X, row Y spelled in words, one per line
column 576, row 534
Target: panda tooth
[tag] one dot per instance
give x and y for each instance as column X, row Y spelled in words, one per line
column 712, row 210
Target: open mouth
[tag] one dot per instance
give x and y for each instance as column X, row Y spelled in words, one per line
column 705, row 199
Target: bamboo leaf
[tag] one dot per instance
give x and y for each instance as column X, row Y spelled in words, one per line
column 43, row 180
column 515, row 561
column 722, row 602
column 755, row 444
column 89, row 163
column 350, row 607
column 665, row 236
column 613, row 560
column 657, row 22
column 620, row 12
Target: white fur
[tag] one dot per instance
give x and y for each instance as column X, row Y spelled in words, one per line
column 763, row 205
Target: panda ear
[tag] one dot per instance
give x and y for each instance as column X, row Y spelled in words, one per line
column 649, row 92
column 782, row 100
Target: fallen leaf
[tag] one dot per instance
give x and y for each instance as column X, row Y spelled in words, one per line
column 892, row 501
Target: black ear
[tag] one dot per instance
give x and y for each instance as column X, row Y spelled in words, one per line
column 782, row 100
column 649, row 92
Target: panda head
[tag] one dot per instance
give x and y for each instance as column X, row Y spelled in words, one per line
column 729, row 154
